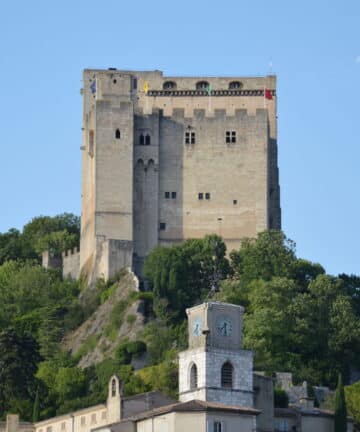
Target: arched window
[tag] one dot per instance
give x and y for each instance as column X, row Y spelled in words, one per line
column 202, row 85
column 147, row 139
column 142, row 140
column 117, row 134
column 227, row 375
column 169, row 85
column 235, row 85
column 113, row 387
column 193, row 377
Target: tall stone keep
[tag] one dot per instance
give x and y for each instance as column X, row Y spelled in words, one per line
column 215, row 368
column 171, row 158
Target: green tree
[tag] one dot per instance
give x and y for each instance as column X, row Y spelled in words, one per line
column 36, row 408
column 352, row 396
column 183, row 274
column 18, row 364
column 340, row 407
column 270, row 254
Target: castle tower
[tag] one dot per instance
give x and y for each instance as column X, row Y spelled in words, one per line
column 214, row 368
column 166, row 159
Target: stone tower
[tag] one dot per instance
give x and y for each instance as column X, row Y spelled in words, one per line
column 171, row 158
column 214, row 368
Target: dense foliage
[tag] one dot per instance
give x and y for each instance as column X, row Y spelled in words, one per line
column 340, row 407
column 297, row 319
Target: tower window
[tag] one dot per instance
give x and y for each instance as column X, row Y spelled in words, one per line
column 173, row 195
column 218, row 426
column 113, row 387
column 147, row 139
column 227, row 375
column 169, row 85
column 162, row 226
column 234, row 202
column 134, row 83
column 202, row 85
column 201, row 196
column 207, row 195
column 193, row 377
column 91, row 142
column 235, row 85
column 189, row 137
column 167, row 195
column 117, row 134
column 230, row 137
column 142, row 140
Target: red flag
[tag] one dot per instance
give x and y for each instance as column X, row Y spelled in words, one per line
column 268, row 94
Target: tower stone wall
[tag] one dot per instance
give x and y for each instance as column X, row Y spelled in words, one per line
column 171, row 158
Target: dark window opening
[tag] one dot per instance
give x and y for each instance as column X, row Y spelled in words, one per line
column 162, row 226
column 189, row 137
column 234, row 202
column 173, row 195
column 201, row 196
column 117, row 134
column 218, row 426
column 235, row 85
column 202, row 85
column 167, row 195
column 142, row 140
column 193, row 377
column 147, row 139
column 169, row 85
column 192, row 137
column 91, row 143
column 227, row 375
column 135, row 83
column 113, row 387
column 207, row 195
column 230, row 137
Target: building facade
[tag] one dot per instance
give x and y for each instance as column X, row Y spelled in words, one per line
column 171, row 158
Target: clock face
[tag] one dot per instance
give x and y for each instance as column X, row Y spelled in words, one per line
column 197, row 327
column 224, row 326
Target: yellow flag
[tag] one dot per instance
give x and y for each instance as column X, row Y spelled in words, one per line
column 146, row 87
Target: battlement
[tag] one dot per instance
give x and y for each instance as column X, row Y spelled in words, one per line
column 71, row 263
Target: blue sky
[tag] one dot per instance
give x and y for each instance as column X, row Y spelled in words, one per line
column 314, row 48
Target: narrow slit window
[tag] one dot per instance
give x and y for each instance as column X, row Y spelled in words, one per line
column 187, row 137
column 233, row 136
column 193, row 377
column 147, row 139
column 227, row 375
column 113, row 388
column 142, row 140
column 218, row 426
column 117, row 134
column 192, row 137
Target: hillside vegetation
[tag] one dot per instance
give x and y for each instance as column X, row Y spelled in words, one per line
column 60, row 341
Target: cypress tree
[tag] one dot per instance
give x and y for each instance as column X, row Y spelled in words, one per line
column 36, row 408
column 340, row 407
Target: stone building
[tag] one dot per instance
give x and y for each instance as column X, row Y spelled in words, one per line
column 165, row 159
column 218, row 392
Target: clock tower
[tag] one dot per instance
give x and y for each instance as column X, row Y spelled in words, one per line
column 215, row 368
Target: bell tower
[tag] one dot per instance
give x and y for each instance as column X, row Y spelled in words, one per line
column 215, row 368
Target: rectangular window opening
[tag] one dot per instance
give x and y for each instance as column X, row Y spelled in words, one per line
column 187, row 137
column 173, row 195
column 192, row 137
column 207, row 195
column 233, row 137
column 167, row 195
column 162, row 226
column 234, row 202
column 201, row 196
